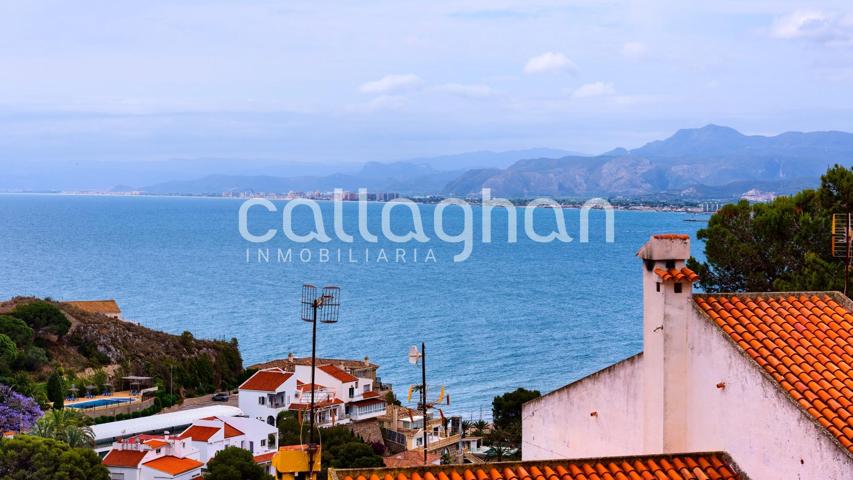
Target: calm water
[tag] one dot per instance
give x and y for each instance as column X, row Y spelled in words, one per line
column 525, row 314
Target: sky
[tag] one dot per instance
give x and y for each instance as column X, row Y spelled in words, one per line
column 341, row 82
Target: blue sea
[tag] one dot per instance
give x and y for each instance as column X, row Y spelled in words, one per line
column 512, row 315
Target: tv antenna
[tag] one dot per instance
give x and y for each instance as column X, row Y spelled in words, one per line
column 324, row 307
column 842, row 241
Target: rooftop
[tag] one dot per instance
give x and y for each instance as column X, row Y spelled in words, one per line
column 199, row 433
column 266, row 380
column 338, row 374
column 173, row 465
column 289, row 363
column 124, row 458
column 688, row 466
column 803, row 341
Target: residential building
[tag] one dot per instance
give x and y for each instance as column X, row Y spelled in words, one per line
column 764, row 377
column 212, row 435
column 340, row 397
column 357, row 368
column 150, row 457
column 107, row 433
column 403, row 429
column 266, row 394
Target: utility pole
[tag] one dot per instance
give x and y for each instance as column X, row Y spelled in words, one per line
column 424, row 396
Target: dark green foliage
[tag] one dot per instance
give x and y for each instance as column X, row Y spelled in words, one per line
column 784, row 245
column 43, row 315
column 56, row 390
column 233, row 463
column 31, row 458
column 356, row 454
column 506, row 408
column 31, row 358
column 17, row 330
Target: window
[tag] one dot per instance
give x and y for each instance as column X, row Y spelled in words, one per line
column 658, row 286
column 262, row 401
column 263, row 443
column 677, row 288
column 366, row 388
column 670, row 264
column 351, row 392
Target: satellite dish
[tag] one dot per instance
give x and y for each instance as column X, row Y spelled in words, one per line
column 414, row 355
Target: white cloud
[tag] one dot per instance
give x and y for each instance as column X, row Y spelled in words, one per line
column 466, row 90
column 826, row 28
column 634, row 51
column 549, row 62
column 379, row 104
column 595, row 89
column 392, row 83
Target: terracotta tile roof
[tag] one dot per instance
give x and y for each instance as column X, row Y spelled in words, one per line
column 672, row 236
column 123, row 458
column 410, row 458
column 306, row 387
column 97, row 306
column 264, row 458
column 678, row 275
column 338, row 373
column 803, row 341
column 231, row 432
column 155, row 444
column 288, row 364
column 266, row 380
column 689, row 466
column 199, row 433
column 368, row 401
column 371, row 394
column 173, row 465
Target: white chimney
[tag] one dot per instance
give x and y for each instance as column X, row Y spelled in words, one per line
column 667, row 291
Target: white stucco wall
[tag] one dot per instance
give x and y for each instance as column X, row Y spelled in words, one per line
column 560, row 424
column 751, row 418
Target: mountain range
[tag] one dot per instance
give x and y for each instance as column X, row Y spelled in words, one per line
column 708, row 162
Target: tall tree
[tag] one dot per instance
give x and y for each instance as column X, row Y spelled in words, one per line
column 56, row 390
column 784, row 245
column 506, row 408
column 43, row 315
column 66, row 425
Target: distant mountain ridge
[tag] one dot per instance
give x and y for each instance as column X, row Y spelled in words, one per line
column 708, row 162
column 701, row 162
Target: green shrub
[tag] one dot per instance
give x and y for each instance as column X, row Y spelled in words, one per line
column 42, row 315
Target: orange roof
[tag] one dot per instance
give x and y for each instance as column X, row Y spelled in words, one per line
column 677, row 274
column 266, row 380
column 97, row 306
column 688, row 466
column 155, row 444
column 306, row 387
column 173, row 465
column 199, row 433
column 410, row 458
column 370, row 394
column 231, row 431
column 804, row 342
column 672, row 236
column 338, row 373
column 267, row 457
column 123, row 458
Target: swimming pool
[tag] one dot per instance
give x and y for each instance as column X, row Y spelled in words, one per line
column 101, row 402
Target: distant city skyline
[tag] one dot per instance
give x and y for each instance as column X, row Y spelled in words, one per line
column 348, row 82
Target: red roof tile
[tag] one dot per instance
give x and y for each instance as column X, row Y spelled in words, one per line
column 231, row 431
column 338, row 373
column 370, row 394
column 672, row 236
column 123, row 458
column 717, row 466
column 199, row 433
column 804, row 342
column 97, row 306
column 265, row 458
column 173, row 465
column 266, row 380
column 678, row 275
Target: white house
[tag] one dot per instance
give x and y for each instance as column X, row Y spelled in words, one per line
column 150, row 457
column 267, row 393
column 211, row 435
column 340, row 397
column 765, row 377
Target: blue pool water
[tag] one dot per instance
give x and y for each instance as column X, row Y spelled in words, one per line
column 101, row 402
column 522, row 314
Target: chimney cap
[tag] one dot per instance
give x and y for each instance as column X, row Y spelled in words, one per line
column 666, row 246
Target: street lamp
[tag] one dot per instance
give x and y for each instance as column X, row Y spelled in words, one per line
column 324, row 307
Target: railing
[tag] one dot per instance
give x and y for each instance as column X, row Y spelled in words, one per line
column 445, row 442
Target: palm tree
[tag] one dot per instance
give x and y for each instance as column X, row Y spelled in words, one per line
column 465, row 426
column 66, row 425
column 480, row 427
